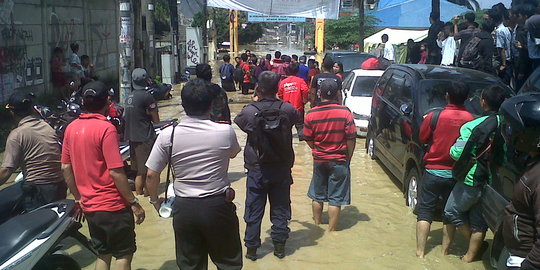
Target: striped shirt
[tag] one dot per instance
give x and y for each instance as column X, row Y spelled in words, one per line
column 329, row 126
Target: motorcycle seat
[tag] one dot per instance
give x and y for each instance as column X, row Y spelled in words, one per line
column 21, row 230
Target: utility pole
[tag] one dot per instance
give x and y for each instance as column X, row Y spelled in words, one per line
column 173, row 7
column 150, row 48
column 361, row 27
column 436, row 6
column 126, row 49
column 205, row 32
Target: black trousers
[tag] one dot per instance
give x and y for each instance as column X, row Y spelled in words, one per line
column 39, row 195
column 206, row 226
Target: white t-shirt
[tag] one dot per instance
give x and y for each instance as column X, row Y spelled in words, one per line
column 448, row 47
column 388, row 52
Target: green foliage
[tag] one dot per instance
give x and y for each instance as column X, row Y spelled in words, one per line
column 344, row 31
column 249, row 34
column 161, row 17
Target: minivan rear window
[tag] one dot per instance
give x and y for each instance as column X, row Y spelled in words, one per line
column 363, row 86
column 432, row 95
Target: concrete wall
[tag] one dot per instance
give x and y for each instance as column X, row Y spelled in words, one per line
column 31, row 29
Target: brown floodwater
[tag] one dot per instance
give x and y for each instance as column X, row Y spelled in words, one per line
column 377, row 231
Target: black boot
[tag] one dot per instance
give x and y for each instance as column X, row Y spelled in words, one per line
column 251, row 254
column 279, row 249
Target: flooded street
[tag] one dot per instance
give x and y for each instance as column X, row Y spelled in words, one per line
column 377, row 231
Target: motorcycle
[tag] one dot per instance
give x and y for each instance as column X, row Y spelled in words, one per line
column 159, row 91
column 32, row 240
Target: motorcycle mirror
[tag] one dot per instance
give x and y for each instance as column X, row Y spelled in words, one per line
column 111, row 92
column 406, row 109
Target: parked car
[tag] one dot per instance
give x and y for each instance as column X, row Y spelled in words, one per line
column 357, row 92
column 402, row 97
column 350, row 59
column 532, row 84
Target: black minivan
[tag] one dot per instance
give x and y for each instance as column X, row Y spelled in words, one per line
column 402, row 97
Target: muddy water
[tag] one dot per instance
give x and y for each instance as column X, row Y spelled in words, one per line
column 377, row 231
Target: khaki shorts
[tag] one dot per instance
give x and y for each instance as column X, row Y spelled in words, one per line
column 139, row 151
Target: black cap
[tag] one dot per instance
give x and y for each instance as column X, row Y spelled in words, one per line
column 329, row 88
column 95, row 89
column 20, row 101
column 139, row 79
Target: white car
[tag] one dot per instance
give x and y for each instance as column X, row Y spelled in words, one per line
column 357, row 92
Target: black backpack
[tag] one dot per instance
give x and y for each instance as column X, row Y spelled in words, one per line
column 238, row 74
column 471, row 57
column 271, row 137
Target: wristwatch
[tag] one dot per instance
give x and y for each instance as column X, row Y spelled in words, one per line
column 134, row 202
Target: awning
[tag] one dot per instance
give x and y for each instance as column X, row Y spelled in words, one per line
column 412, row 13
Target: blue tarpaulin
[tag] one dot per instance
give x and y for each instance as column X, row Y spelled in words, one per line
column 412, row 13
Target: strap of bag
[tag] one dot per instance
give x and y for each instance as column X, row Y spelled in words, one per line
column 169, row 167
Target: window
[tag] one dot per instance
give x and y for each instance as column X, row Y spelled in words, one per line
column 347, row 3
column 393, row 91
column 363, row 86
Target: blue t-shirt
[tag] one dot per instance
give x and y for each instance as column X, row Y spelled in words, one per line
column 303, row 72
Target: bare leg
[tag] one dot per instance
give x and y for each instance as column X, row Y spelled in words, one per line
column 317, row 208
column 477, row 238
column 422, row 231
column 449, row 231
column 124, row 263
column 466, row 231
column 333, row 216
column 103, row 262
column 140, row 183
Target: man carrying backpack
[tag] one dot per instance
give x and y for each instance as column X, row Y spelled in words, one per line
column 227, row 72
column 268, row 158
column 440, row 129
column 478, row 52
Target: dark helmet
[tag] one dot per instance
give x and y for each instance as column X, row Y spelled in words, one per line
column 521, row 122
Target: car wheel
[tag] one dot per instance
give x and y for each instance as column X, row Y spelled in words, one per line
column 503, row 257
column 370, row 149
column 411, row 194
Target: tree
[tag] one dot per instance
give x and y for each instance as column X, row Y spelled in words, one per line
column 249, row 34
column 344, row 31
column 161, row 18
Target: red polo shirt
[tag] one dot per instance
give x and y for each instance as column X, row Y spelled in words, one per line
column 91, row 147
column 329, row 126
column 293, row 90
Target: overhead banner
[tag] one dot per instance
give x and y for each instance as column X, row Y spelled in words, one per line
column 320, row 9
column 256, row 17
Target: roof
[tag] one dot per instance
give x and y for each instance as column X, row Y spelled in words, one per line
column 412, row 13
column 447, row 73
column 397, row 36
column 368, row 72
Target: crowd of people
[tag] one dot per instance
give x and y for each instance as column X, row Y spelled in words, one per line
column 504, row 42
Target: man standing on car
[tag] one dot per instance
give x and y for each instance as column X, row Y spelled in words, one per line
column 439, row 130
column 270, row 181
column 294, row 90
column 330, row 132
column 472, row 152
column 141, row 112
column 327, row 74
column 204, row 217
column 34, row 147
column 94, row 172
column 521, row 222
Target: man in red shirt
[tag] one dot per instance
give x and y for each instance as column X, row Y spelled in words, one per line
column 93, row 170
column 294, row 90
column 437, row 182
column 277, row 62
column 246, row 69
column 312, row 70
column 330, row 132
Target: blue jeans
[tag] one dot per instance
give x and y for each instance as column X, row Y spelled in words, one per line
column 463, row 207
column 274, row 184
column 331, row 183
column 431, row 189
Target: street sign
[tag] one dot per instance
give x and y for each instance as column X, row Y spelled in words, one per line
column 256, row 17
